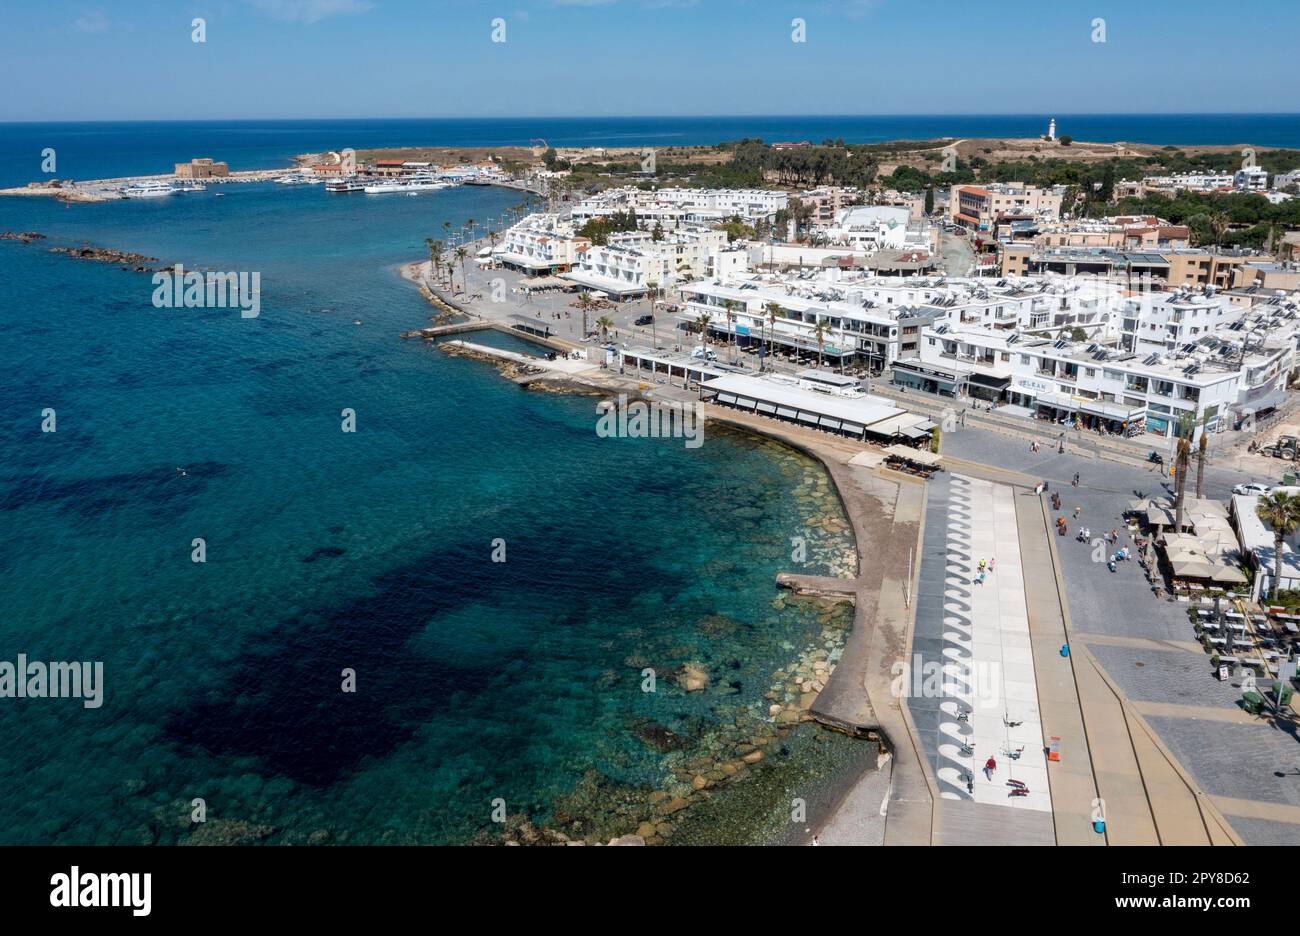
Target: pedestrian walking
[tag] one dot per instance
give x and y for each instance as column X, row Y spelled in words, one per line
column 1077, row 511
column 1076, row 479
column 990, row 766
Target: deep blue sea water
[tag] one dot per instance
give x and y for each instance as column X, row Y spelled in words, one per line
column 109, row 150
column 326, row 550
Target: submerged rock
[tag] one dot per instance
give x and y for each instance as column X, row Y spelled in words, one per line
column 228, row 832
column 694, row 677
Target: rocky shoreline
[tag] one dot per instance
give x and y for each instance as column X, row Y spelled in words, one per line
column 752, row 745
column 749, row 748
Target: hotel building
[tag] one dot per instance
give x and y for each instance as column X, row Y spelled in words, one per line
column 979, row 207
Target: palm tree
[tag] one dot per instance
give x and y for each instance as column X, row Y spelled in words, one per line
column 435, row 254
column 584, row 303
column 1200, row 461
column 652, row 290
column 461, row 254
column 820, row 330
column 604, row 323
column 773, row 313
column 731, row 305
column 1281, row 511
column 1181, row 461
column 1219, row 225
column 703, row 322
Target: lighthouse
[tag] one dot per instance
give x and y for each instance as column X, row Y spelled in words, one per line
column 1051, row 129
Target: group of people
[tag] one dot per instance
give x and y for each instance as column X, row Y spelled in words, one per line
column 1123, row 554
column 985, row 567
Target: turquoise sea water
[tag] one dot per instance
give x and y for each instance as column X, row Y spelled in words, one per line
column 371, row 551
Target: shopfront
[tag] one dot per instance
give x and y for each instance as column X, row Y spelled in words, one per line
column 944, row 381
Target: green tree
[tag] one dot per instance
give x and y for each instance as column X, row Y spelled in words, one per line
column 461, row 254
column 604, row 323
column 731, row 306
column 1280, row 511
column 584, row 304
column 773, row 310
column 702, row 323
column 652, row 293
column 820, row 330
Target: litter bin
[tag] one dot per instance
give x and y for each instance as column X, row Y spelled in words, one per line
column 1253, row 702
column 1282, row 691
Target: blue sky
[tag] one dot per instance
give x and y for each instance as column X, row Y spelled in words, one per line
column 88, row 60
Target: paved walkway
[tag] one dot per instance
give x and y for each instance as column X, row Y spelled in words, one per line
column 980, row 636
column 989, row 668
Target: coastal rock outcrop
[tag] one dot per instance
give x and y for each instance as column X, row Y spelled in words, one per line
column 24, row 237
column 135, row 261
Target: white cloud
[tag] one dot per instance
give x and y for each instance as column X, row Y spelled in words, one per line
column 92, row 21
column 311, row 11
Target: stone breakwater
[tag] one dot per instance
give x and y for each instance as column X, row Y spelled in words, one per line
column 134, row 262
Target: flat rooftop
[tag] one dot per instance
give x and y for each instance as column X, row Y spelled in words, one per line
column 864, row 411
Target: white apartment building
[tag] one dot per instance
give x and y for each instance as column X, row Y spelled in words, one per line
column 1095, row 386
column 1284, row 179
column 1165, row 321
column 1201, row 182
column 541, row 243
column 880, row 316
column 632, row 261
column 878, row 227
column 1251, row 179
column 673, row 208
column 858, row 332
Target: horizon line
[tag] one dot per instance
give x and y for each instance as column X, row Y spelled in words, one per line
column 537, row 118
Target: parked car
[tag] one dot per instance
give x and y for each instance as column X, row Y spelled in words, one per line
column 1254, row 488
column 645, row 320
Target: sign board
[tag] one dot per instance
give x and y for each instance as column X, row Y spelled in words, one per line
column 1223, row 674
column 1054, row 748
